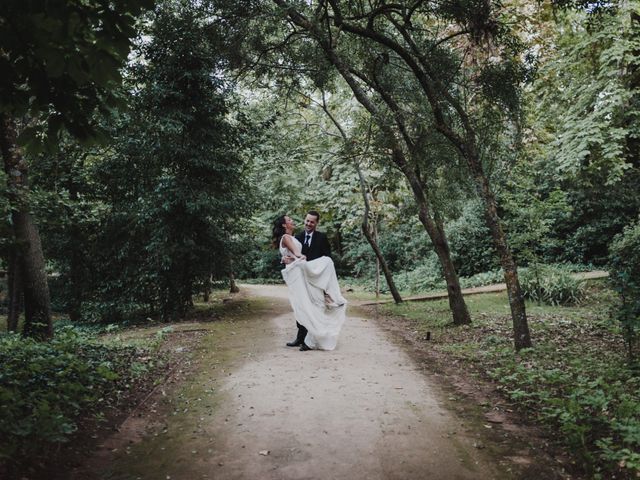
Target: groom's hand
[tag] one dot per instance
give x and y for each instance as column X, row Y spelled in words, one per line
column 287, row 260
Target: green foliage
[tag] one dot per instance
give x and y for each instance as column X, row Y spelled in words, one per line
column 533, row 214
column 490, row 277
column 470, row 241
column 593, row 405
column 426, row 277
column 624, row 264
column 61, row 61
column 166, row 201
column 46, row 387
column 583, row 117
column 599, row 212
column 551, row 286
column 601, row 113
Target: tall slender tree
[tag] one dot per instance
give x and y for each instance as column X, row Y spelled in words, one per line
column 366, row 228
column 175, row 180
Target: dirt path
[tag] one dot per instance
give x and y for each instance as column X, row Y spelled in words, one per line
column 255, row 409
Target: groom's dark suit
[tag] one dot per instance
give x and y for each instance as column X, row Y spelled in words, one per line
column 319, row 245
column 319, row 248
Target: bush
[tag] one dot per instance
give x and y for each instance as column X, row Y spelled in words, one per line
column 481, row 279
column 424, row 278
column 624, row 270
column 46, row 386
column 551, row 285
column 470, row 242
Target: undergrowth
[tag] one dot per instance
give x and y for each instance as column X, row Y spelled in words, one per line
column 575, row 380
column 47, row 388
column 552, row 284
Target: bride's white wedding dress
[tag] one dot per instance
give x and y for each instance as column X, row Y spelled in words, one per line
column 308, row 281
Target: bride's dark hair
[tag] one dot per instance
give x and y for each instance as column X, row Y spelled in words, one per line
column 278, row 230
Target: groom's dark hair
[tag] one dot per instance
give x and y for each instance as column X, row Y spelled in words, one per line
column 315, row 214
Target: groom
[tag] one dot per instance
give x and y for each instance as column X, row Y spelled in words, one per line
column 314, row 245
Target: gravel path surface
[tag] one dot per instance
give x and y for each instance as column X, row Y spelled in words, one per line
column 362, row 411
column 248, row 407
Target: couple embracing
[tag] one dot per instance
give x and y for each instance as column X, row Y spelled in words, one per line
column 314, row 293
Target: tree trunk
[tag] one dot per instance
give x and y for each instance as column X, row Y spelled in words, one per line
column 233, row 287
column 372, row 241
column 14, row 287
column 37, row 306
column 206, row 294
column 521, row 335
column 380, row 261
column 377, row 278
column 337, row 239
column 435, row 230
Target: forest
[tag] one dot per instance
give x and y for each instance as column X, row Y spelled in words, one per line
column 148, row 146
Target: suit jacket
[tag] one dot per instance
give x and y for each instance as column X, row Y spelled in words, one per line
column 319, row 245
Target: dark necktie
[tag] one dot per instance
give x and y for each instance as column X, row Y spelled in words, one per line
column 307, row 239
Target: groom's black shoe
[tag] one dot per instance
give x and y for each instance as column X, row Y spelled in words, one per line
column 295, row 343
column 304, row 347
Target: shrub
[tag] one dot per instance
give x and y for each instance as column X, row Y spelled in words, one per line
column 426, row 277
column 470, row 241
column 481, row 279
column 551, row 285
column 46, row 386
column 624, row 270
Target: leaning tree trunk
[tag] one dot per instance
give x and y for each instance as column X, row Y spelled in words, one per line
column 372, row 241
column 441, row 246
column 381, row 262
column 458, row 306
column 36, row 290
column 521, row 335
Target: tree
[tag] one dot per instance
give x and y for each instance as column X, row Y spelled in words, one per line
column 402, row 31
column 392, row 133
column 366, row 228
column 175, row 180
column 60, row 61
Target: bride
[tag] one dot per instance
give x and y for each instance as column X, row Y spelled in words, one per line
column 314, row 292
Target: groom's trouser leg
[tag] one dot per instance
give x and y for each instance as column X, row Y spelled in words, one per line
column 302, row 332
